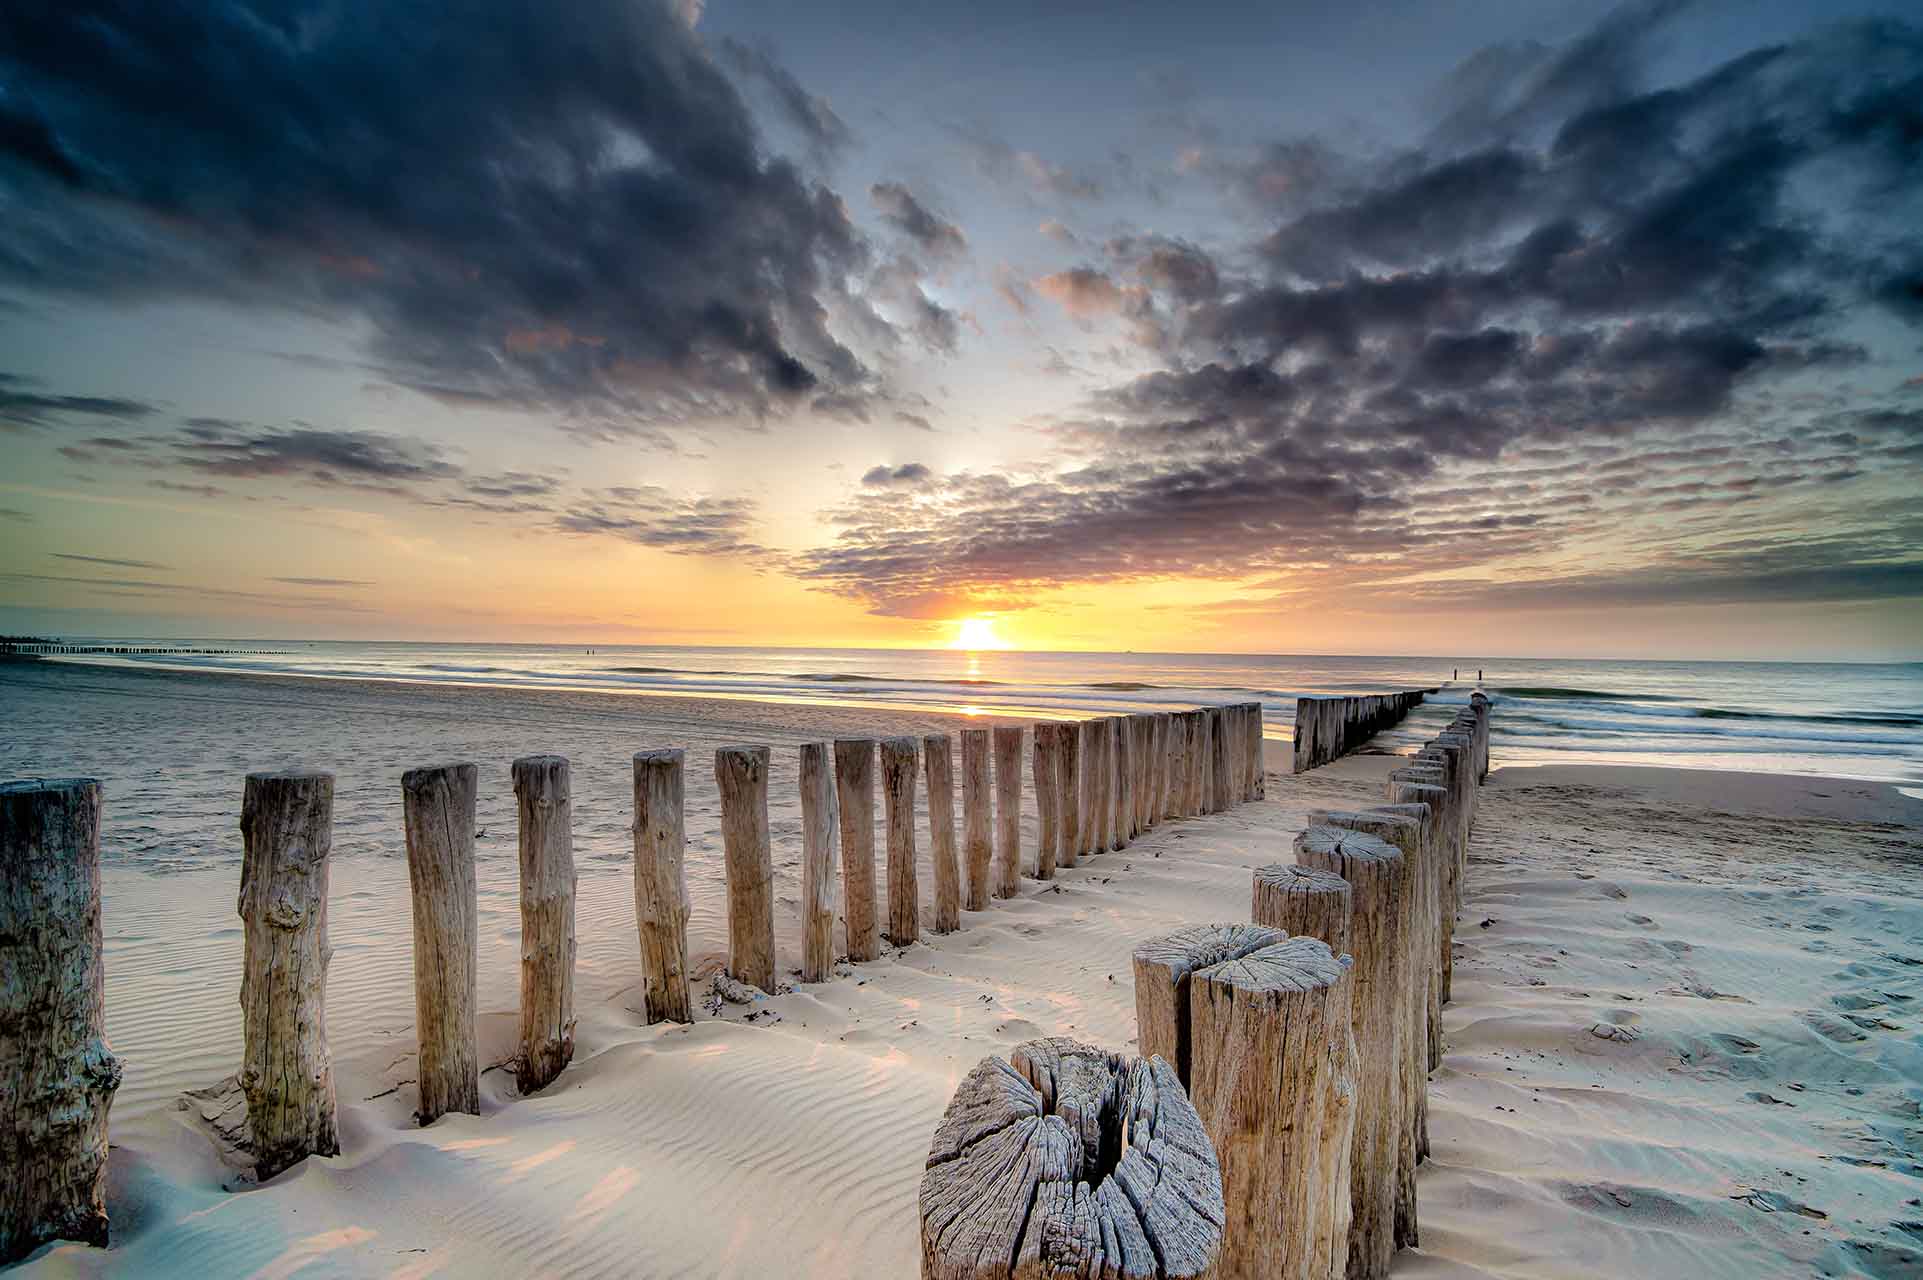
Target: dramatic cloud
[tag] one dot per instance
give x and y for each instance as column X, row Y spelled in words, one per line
column 901, row 210
column 583, row 216
column 22, row 408
column 1574, row 260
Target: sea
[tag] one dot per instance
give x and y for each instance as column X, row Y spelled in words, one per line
column 1843, row 720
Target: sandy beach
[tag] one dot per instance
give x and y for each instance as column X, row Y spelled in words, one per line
column 1682, row 1037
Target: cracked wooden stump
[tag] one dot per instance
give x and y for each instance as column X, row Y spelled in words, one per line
column 437, row 807
column 1274, row 1082
column 57, row 1075
column 287, row 1071
column 1304, row 902
column 1164, row 968
column 1067, row 1160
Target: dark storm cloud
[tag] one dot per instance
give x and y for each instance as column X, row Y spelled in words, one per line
column 525, row 204
column 908, row 215
column 1573, row 257
column 807, row 112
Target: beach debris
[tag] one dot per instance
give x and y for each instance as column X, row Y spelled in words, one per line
column 1777, row 1202
column 1615, row 1031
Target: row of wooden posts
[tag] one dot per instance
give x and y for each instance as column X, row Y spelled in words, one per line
column 1300, row 1044
column 1098, row 783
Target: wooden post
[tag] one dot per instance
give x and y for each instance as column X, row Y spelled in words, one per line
column 938, row 763
column 819, row 816
column 661, row 885
column 1378, row 877
column 1221, row 769
column 741, row 775
column 1274, row 1081
column 1258, row 769
column 1048, row 788
column 542, row 789
column 1070, row 746
column 437, row 810
column 287, row 1073
column 978, row 817
column 1070, row 1161
column 1163, row 970
column 855, row 796
column 1195, row 792
column 1157, row 767
column 1235, row 742
column 1303, row 902
column 1122, row 802
column 898, row 764
column 1424, row 802
column 1092, row 738
column 57, row 1075
column 1139, row 744
column 1175, row 766
column 1008, row 810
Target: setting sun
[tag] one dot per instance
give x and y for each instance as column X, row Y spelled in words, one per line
column 977, row 633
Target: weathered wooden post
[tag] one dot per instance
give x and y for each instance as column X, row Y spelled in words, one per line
column 1424, row 802
column 1072, row 815
column 287, row 1072
column 1303, row 902
column 819, row 816
column 1195, row 793
column 1008, row 810
column 1258, row 770
column 1122, row 800
column 661, row 884
column 57, row 1075
column 1070, row 1161
column 898, row 764
column 1048, row 787
column 1175, row 738
column 1274, row 1081
column 542, row 791
column 1093, row 841
column 1164, row 968
column 1221, row 768
column 437, row 810
column 938, row 762
column 855, row 796
column 978, row 817
column 741, row 775
column 1378, row 877
column 1235, row 742
column 1141, row 743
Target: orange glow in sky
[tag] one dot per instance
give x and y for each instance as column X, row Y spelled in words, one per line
column 977, row 633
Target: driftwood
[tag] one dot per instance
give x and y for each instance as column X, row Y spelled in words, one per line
column 543, row 796
column 1274, row 1081
column 1163, row 969
column 57, row 1076
column 978, row 817
column 1070, row 1161
column 1048, row 801
column 898, row 765
column 855, row 797
column 287, row 1072
column 437, row 809
column 1384, row 1154
column 741, row 775
column 938, row 764
column 819, row 816
column 1008, row 810
column 1303, row 902
column 1070, row 740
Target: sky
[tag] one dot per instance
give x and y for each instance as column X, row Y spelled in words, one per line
column 1381, row 327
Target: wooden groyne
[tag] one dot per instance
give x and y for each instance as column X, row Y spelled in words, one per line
column 1097, row 784
column 54, row 649
column 1328, row 728
column 1305, row 1038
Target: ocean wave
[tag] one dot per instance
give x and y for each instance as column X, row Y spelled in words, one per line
column 1120, row 686
column 1890, row 722
column 1594, row 695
